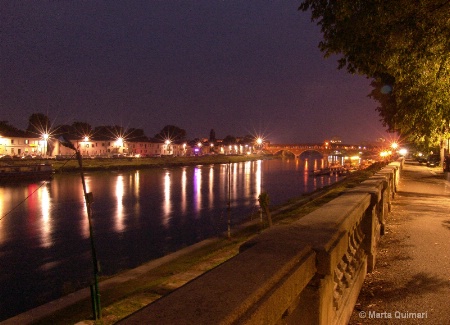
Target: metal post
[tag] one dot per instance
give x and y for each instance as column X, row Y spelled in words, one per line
column 95, row 294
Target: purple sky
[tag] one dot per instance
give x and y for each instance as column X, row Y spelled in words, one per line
column 238, row 67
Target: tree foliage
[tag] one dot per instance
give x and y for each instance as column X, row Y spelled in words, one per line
column 82, row 128
column 172, row 133
column 136, row 135
column 404, row 47
column 229, row 140
column 38, row 124
column 109, row 132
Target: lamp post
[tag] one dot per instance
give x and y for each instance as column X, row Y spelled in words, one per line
column 45, row 136
column 119, row 144
column 167, row 143
column 259, row 142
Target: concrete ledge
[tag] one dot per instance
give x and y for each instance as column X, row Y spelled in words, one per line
column 329, row 226
column 256, row 286
column 308, row 272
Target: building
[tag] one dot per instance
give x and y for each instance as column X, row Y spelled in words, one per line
column 22, row 144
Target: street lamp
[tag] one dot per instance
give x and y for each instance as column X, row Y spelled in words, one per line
column 167, row 143
column 259, row 142
column 119, row 144
column 199, row 148
column 45, row 136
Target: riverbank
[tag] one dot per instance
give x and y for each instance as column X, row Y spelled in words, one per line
column 128, row 163
column 129, row 291
column 99, row 164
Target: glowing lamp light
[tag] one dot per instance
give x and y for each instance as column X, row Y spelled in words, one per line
column 86, row 139
column 119, row 142
column 394, row 145
column 403, row 152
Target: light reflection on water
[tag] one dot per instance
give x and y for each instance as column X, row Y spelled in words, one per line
column 119, row 194
column 137, row 216
column 167, row 203
column 46, row 224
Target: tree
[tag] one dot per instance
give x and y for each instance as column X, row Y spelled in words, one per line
column 172, row 133
column 229, row 139
column 248, row 139
column 39, row 124
column 82, row 128
column 109, row 132
column 64, row 129
column 136, row 134
column 403, row 46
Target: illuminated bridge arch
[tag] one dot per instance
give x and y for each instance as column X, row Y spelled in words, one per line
column 296, row 149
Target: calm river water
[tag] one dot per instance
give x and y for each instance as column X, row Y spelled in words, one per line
column 137, row 215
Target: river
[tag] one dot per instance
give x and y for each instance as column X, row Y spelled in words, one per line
column 137, row 216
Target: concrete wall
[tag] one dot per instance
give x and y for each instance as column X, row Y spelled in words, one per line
column 308, row 272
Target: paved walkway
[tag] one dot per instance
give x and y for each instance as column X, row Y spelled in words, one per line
column 411, row 281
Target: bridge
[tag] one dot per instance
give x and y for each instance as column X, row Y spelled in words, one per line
column 324, row 149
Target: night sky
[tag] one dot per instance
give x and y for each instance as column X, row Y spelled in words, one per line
column 238, row 67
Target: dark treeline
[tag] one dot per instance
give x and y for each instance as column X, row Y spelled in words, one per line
column 39, row 124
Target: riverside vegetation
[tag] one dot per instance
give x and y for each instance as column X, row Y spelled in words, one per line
column 122, row 299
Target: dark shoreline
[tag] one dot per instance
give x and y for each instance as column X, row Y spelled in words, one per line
column 116, row 164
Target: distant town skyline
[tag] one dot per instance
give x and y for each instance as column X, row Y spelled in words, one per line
column 236, row 67
column 129, row 134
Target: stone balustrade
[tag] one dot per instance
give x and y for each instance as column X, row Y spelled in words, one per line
column 307, row 272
